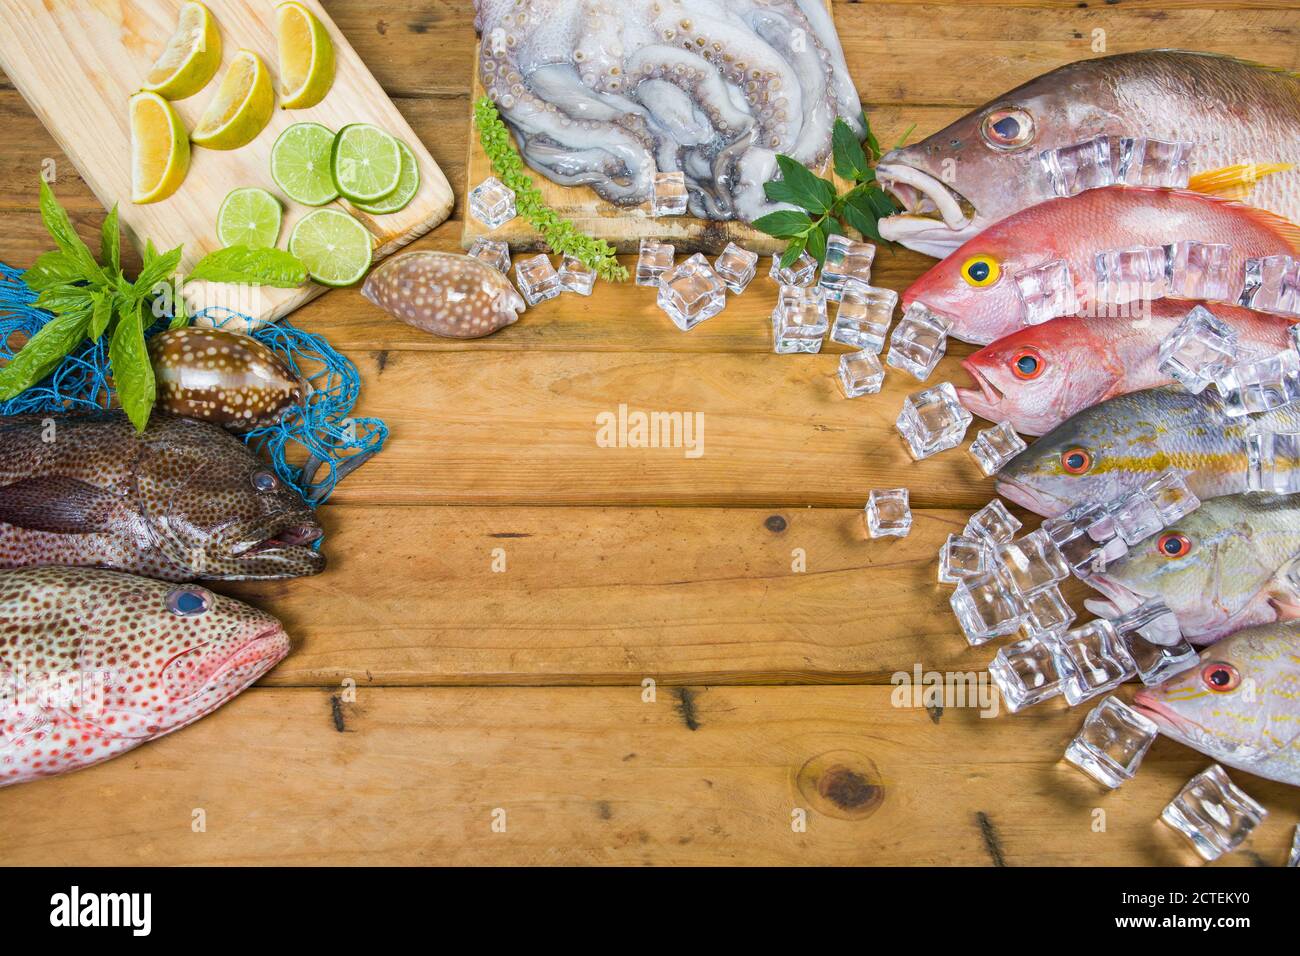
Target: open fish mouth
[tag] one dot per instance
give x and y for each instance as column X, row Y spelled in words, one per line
column 1117, row 598
column 937, row 219
column 287, row 548
column 985, row 398
column 1037, row 501
column 1169, row 722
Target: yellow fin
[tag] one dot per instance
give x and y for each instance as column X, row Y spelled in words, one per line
column 1234, row 182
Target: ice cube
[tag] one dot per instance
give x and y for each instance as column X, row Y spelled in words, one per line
column 492, row 203
column 863, row 316
column 1154, row 162
column 1273, row 462
column 691, row 293
column 736, row 267
column 800, row 272
column 1112, row 742
column 669, row 197
column 1258, row 385
column 918, row 341
column 887, row 513
column 1214, row 813
column 985, row 607
column 847, row 263
column 1199, row 349
column 1082, row 535
column 1136, row 518
column 1294, row 859
column 1199, row 270
column 1046, row 291
column 494, row 252
column 1026, row 673
column 1072, row 169
column 960, row 557
column 860, row 373
column 799, row 319
column 654, row 260
column 932, row 420
column 1092, row 661
column 1273, row 285
column 1046, row 612
column 537, row 279
column 993, row 524
column 1156, row 663
column 1032, row 562
column 1126, row 275
column 576, row 276
column 994, row 447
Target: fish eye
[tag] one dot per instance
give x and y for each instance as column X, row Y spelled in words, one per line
column 1076, row 461
column 264, row 480
column 981, row 271
column 1173, row 545
column 1008, row 128
column 1220, row 677
column 1027, row 364
column 189, row 602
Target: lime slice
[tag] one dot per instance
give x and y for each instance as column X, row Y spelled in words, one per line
column 249, row 217
column 366, row 163
column 333, row 246
column 306, row 57
column 242, row 107
column 160, row 150
column 407, row 186
column 300, row 164
column 192, row 56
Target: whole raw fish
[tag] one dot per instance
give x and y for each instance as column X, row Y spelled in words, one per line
column 94, row 663
column 985, row 166
column 1039, row 376
column 1116, row 447
column 180, row 501
column 1240, row 705
column 976, row 286
column 1222, row 568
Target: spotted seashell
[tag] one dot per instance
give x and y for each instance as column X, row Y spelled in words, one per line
column 222, row 377
column 447, row 294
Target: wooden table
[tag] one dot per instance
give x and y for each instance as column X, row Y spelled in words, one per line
column 531, row 649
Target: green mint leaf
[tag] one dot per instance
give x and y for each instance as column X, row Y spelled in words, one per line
column 64, row 298
column 816, row 244
column 793, row 251
column 903, row 139
column 52, row 268
column 133, row 377
column 811, row 192
column 872, row 144
column 778, row 190
column 273, row 267
column 158, row 268
column 42, row 353
column 859, row 214
column 101, row 313
column 65, row 236
column 783, row 224
column 850, row 158
column 110, row 243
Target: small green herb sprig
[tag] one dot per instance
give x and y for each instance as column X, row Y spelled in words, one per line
column 92, row 299
column 823, row 212
column 560, row 234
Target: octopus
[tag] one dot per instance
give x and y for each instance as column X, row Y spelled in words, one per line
column 607, row 94
column 454, row 296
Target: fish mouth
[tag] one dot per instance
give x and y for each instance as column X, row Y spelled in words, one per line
column 937, row 219
column 1169, row 723
column 285, row 549
column 1036, row 500
column 983, row 400
column 1117, row 598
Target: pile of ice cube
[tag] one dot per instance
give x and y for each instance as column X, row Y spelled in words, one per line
column 1115, row 160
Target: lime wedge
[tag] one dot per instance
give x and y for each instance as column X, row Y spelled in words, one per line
column 306, row 57
column 300, row 164
column 191, row 58
column 333, row 246
column 249, row 217
column 365, row 162
column 407, row 186
column 160, row 151
column 241, row 108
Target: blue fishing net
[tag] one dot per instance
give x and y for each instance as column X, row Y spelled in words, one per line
column 322, row 427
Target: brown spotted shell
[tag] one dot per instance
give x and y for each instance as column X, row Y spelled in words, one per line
column 222, row 377
column 447, row 294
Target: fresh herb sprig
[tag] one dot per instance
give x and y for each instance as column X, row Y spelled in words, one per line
column 92, row 299
column 560, row 234
column 822, row 211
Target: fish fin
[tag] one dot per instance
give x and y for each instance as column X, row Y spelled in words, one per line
column 1234, row 182
column 58, row 505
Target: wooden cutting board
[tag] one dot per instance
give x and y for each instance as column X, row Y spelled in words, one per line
column 78, row 61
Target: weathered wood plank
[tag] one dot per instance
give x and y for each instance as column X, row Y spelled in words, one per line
column 598, row 776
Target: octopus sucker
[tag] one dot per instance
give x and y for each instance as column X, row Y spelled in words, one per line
column 606, row 94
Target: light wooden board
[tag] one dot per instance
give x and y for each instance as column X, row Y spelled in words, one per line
column 77, row 63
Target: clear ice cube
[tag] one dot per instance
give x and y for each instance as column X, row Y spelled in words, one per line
column 1273, row 285
column 576, row 276
column 1199, row 349
column 993, row 524
column 847, row 263
column 1046, row 291
column 1199, row 270
column 1032, row 562
column 887, row 513
column 985, row 607
column 493, row 252
column 1258, row 385
column 691, row 293
column 654, row 260
column 799, row 319
column 1112, row 742
column 669, row 196
column 1156, row 663
column 1092, row 661
column 863, row 316
column 537, row 279
column 1080, row 166
column 1154, row 162
column 918, row 341
column 960, row 557
column 1273, row 462
column 1213, row 813
column 932, row 420
column 800, row 272
column 492, row 203
column 860, row 373
column 994, row 447
column 1127, row 275
column 736, row 267
column 1025, row 673
column 1046, row 612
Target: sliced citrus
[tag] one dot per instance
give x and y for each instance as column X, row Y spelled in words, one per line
column 191, row 58
column 366, row 163
column 306, row 57
column 300, row 164
column 335, row 248
column 249, row 217
column 160, row 150
column 242, row 106
column 407, row 186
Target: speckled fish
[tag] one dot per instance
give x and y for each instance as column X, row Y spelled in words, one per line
column 94, row 663
column 223, row 377
column 1038, row 377
column 1223, row 567
column 976, row 286
column 183, row 500
column 1240, row 705
column 1242, row 119
column 447, row 294
column 1116, row 447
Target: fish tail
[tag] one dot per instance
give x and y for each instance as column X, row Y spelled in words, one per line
column 1236, row 181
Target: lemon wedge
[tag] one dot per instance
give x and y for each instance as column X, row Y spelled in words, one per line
column 242, row 107
column 306, row 57
column 160, row 150
column 192, row 56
